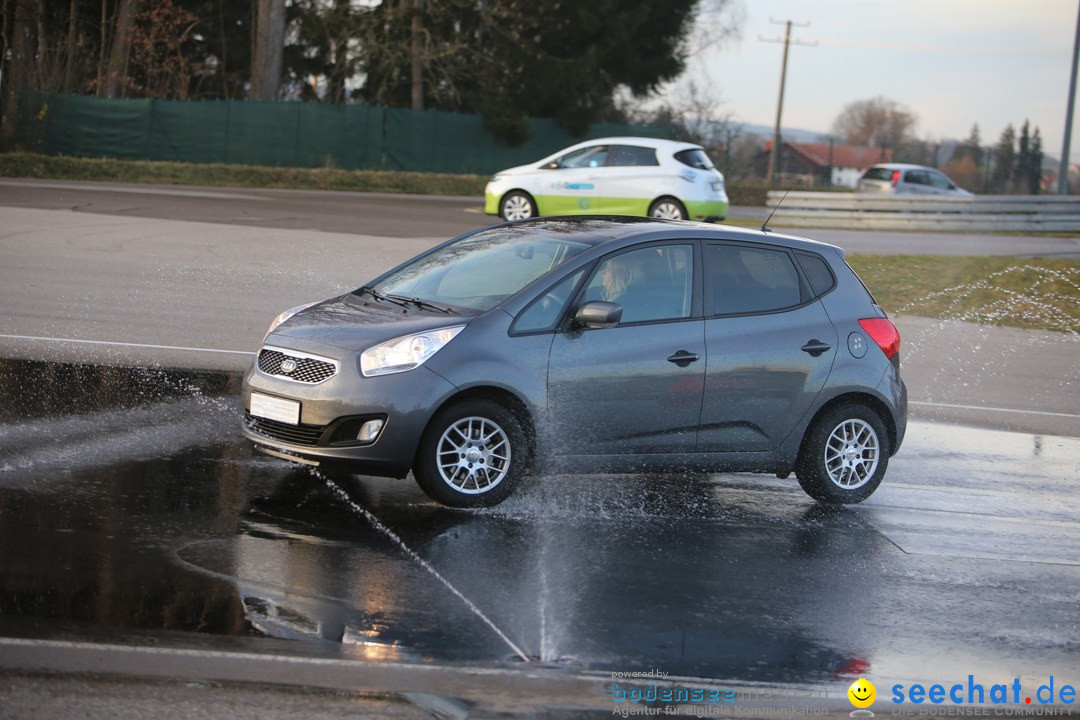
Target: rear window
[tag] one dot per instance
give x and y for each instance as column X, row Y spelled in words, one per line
column 695, row 158
column 817, row 272
column 626, row 155
column 878, row 173
column 750, row 280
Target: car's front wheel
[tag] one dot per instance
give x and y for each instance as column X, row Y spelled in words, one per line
column 473, row 454
column 844, row 455
column 668, row 208
column 517, row 205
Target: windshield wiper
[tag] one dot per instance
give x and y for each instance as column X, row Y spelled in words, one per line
column 422, row 303
column 385, row 298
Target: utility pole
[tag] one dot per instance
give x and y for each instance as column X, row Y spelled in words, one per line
column 1063, row 172
column 774, row 158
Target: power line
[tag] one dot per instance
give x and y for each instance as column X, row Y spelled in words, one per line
column 774, row 157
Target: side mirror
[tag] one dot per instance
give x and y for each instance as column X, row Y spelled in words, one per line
column 598, row 314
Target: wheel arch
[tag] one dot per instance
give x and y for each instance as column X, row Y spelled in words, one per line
column 497, row 394
column 871, row 401
column 668, row 196
column 523, row 191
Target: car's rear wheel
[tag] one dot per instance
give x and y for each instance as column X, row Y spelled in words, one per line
column 473, row 454
column 517, row 205
column 668, row 208
column 844, row 455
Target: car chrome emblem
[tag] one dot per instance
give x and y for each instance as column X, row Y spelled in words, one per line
column 288, row 365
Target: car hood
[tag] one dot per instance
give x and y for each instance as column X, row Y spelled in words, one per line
column 354, row 322
column 520, row 169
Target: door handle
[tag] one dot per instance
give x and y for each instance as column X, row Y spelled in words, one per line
column 682, row 358
column 815, row 347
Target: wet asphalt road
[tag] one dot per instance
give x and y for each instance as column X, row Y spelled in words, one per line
column 132, row 515
column 131, row 512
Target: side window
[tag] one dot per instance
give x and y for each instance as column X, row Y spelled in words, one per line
column 593, row 156
column 745, row 279
column 544, row 312
column 694, row 158
column 916, row 177
column 632, row 155
column 940, row 181
column 817, row 273
column 654, row 283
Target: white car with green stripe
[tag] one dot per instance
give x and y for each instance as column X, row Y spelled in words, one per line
column 613, row 176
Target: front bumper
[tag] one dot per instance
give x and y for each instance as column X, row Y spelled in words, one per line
column 331, row 410
column 491, row 201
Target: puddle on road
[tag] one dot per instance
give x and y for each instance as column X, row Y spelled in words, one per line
column 129, row 502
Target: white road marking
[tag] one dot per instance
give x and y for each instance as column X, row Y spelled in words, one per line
column 124, row 344
column 994, row 409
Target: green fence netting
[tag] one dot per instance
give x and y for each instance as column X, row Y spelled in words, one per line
column 288, row 134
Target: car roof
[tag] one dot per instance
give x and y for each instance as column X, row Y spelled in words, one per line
column 902, row 166
column 618, row 230
column 657, row 143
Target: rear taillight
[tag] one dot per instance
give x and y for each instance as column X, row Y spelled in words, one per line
column 895, row 179
column 884, row 333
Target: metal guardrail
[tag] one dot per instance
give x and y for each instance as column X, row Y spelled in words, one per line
column 1026, row 213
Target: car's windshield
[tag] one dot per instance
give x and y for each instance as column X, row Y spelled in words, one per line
column 480, row 271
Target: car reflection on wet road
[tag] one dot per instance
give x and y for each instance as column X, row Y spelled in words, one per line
column 129, row 503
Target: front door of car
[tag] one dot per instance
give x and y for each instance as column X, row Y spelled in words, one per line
column 571, row 185
column 635, row 387
column 770, row 348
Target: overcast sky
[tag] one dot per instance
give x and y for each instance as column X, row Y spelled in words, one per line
column 953, row 63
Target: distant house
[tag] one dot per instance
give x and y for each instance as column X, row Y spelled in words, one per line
column 821, row 163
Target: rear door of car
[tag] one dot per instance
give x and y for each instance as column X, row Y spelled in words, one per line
column 629, row 181
column 770, row 347
column 635, row 387
column 918, row 182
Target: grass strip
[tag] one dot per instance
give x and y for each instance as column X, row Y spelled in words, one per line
column 50, row 167
column 1037, row 293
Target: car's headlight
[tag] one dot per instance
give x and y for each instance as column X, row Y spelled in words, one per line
column 717, row 185
column 285, row 316
column 405, row 353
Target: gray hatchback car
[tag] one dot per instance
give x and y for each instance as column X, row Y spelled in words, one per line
column 590, row 344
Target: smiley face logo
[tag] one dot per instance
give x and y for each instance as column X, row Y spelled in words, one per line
column 862, row 693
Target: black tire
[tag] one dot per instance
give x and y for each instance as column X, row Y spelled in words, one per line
column 668, row 208
column 844, row 455
column 517, row 205
column 492, row 454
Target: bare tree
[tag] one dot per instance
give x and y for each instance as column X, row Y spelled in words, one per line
column 18, row 61
column 116, row 71
column 878, row 122
column 269, row 43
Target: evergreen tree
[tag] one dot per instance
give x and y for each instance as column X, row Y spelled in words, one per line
column 510, row 59
column 972, row 147
column 1004, row 161
column 1035, row 170
column 1022, row 168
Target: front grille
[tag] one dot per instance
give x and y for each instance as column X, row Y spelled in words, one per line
column 308, row 369
column 295, row 434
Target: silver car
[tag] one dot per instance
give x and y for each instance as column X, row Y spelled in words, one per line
column 900, row 178
column 588, row 344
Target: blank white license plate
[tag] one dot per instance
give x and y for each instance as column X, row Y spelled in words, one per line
column 274, row 408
